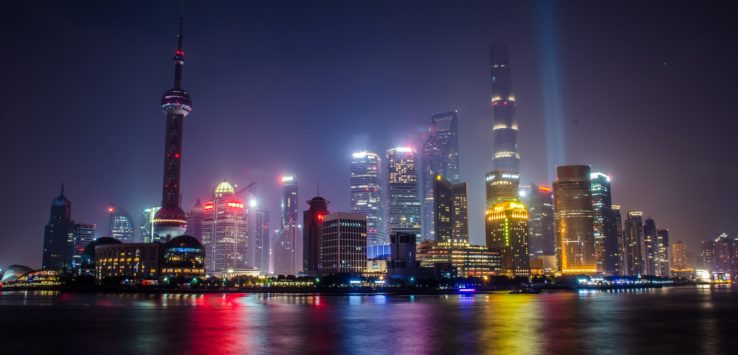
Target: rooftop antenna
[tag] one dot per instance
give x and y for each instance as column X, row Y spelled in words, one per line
column 318, row 187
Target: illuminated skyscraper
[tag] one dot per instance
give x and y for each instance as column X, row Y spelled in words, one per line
column 288, row 248
column 605, row 230
column 259, row 232
column 574, row 215
column 633, row 244
column 618, row 221
column 83, row 234
column 403, row 198
column 58, row 238
column 541, row 232
column 440, row 157
column 313, row 219
column 451, row 212
column 342, row 243
column 507, row 232
column 650, row 247
column 147, row 225
column 224, row 231
column 170, row 221
column 662, row 245
column 502, row 183
column 366, row 194
column 194, row 221
column 120, row 225
column 679, row 264
column 289, row 201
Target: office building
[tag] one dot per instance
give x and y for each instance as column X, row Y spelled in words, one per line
column 605, row 230
column 260, row 232
column 440, row 156
column 402, row 255
column 633, row 257
column 343, row 243
column 82, row 235
column 366, row 194
column 507, row 226
column 284, row 253
column 467, row 260
column 402, row 191
column 650, row 249
column 574, row 218
column 541, row 232
column 618, row 221
column 120, row 225
column 313, row 219
column 58, row 238
column 224, row 230
column 194, row 220
column 451, row 212
column 662, row 252
column 146, row 229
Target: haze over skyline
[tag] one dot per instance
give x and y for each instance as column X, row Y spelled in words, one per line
column 645, row 95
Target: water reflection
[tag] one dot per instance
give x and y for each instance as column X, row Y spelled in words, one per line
column 678, row 320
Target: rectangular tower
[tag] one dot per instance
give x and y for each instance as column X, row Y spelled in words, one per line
column 402, row 191
column 343, row 244
column 575, row 249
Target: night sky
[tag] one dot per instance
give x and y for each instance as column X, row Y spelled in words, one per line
column 645, row 91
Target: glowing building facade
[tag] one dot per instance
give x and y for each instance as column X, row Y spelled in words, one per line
column 507, row 233
column 633, row 257
column 605, row 230
column 224, row 230
column 343, row 243
column 440, row 156
column 120, row 225
column 366, row 194
column 679, row 265
column 574, row 215
column 650, row 247
column 468, row 260
column 541, row 232
column 662, row 247
column 170, row 221
column 194, row 220
column 451, row 212
column 618, row 221
column 146, row 228
column 82, row 235
column 403, row 198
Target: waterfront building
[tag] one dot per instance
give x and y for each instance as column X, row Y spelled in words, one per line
column 633, row 258
column 288, row 203
column 402, row 255
column 120, row 225
column 378, row 251
column 171, row 221
column 224, row 230
column 313, row 219
column 507, row 226
column 402, row 187
column 289, row 243
column 284, row 253
column 650, row 248
column 146, row 229
column 722, row 254
column 343, row 243
column 58, row 250
column 440, row 156
column 468, row 260
column 679, row 264
column 574, row 220
column 451, row 212
column 618, row 221
column 194, row 220
column 366, row 194
column 662, row 252
column 541, row 232
column 82, row 235
column 605, row 230
column 260, row 230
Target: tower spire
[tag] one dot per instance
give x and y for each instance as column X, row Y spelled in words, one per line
column 179, row 55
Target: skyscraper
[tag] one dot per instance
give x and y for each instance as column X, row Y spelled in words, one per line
column 260, row 232
column 147, row 224
column 366, row 194
column 451, row 212
column 574, row 216
column 289, row 201
column 83, row 234
column 403, row 198
column 58, row 239
column 342, row 243
column 287, row 249
column 507, row 232
column 618, row 221
column 194, row 221
column 120, row 225
column 679, row 263
column 170, row 221
column 502, row 182
column 313, row 219
column 440, row 157
column 633, row 243
column 662, row 247
column 650, row 248
column 541, row 232
column 224, row 231
column 605, row 230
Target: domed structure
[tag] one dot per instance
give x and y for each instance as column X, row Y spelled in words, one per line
column 176, row 101
column 13, row 272
column 223, row 189
column 170, row 222
column 184, row 256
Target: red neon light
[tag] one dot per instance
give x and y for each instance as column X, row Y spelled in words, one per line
column 320, row 217
column 235, row 204
column 544, row 188
column 176, row 155
column 208, row 206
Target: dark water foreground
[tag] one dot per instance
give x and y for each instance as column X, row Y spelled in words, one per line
column 682, row 320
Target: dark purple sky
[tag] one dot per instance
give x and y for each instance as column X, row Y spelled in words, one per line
column 647, row 93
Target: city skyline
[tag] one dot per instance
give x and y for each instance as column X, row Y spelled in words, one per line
column 333, row 172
